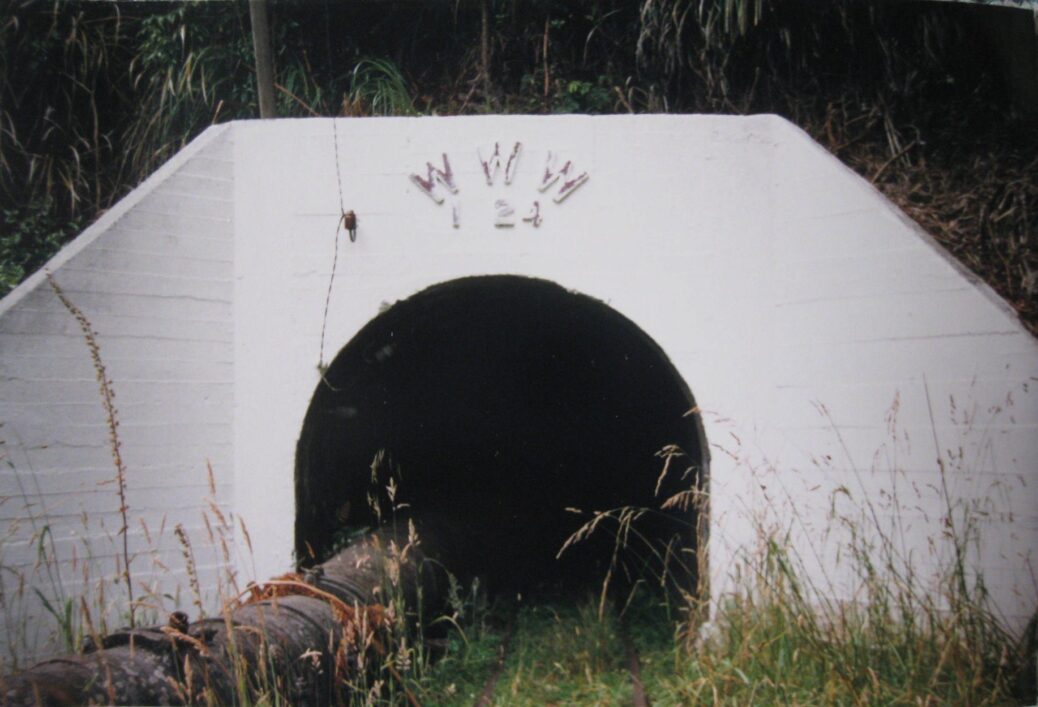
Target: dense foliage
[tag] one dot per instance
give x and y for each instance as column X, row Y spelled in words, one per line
column 911, row 94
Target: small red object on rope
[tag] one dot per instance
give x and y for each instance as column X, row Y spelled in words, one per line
column 349, row 222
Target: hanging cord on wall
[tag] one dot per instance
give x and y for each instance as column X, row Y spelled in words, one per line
column 347, row 221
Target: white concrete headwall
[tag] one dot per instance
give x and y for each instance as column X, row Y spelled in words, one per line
column 154, row 278
column 835, row 351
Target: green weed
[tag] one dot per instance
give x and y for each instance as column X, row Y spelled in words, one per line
column 378, row 88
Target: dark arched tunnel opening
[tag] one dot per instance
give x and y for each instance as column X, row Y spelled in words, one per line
column 499, row 405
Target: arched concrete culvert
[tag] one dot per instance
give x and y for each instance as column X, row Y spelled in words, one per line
column 504, row 403
column 836, row 350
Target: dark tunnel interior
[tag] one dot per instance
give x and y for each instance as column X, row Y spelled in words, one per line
column 499, row 404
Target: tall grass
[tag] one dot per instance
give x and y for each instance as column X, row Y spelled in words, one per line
column 107, row 396
column 787, row 635
column 92, row 579
column 846, row 614
column 75, row 617
column 776, row 642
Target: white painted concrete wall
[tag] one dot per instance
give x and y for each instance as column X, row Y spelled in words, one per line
column 154, row 277
column 830, row 343
column 776, row 279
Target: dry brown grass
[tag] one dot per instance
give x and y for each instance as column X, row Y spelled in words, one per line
column 975, row 192
column 982, row 206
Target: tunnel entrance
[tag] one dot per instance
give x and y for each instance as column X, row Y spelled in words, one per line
column 497, row 405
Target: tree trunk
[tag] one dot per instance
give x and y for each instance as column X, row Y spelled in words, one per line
column 258, row 13
column 484, row 47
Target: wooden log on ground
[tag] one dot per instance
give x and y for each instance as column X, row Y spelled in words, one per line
column 307, row 637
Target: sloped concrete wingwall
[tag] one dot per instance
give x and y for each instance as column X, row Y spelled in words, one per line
column 897, row 389
column 154, row 278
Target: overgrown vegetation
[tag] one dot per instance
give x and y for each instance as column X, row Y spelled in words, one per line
column 561, row 653
column 767, row 646
column 915, row 96
column 786, row 635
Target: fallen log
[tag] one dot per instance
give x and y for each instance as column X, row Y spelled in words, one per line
column 308, row 638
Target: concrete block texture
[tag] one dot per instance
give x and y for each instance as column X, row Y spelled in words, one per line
column 153, row 277
column 830, row 344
